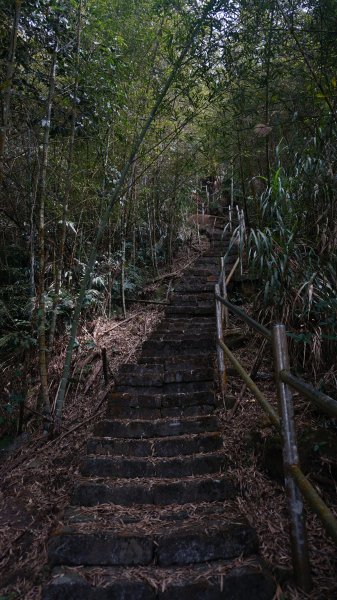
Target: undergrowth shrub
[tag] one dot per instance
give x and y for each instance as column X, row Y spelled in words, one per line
column 293, row 251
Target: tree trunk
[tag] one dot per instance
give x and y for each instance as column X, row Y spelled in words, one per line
column 41, row 195
column 123, row 232
column 67, row 185
column 8, row 84
column 267, row 93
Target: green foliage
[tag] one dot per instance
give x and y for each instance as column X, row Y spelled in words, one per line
column 290, row 252
column 250, row 104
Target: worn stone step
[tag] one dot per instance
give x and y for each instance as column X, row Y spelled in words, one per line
column 161, row 374
column 188, row 330
column 163, row 405
column 201, row 359
column 189, row 345
column 219, row 580
column 170, row 446
column 164, row 467
column 210, row 278
column 127, row 412
column 160, row 492
column 111, row 515
column 159, row 428
column 217, row 249
column 194, row 287
column 188, row 387
column 192, row 337
column 140, row 375
column 232, row 245
column 208, row 261
column 188, row 309
column 219, row 235
column 161, row 400
column 192, row 298
column 186, row 323
column 164, row 545
column 202, row 270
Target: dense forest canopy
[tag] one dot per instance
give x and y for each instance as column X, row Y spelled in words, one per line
column 112, row 113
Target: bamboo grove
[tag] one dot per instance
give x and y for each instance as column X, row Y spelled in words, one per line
column 111, row 114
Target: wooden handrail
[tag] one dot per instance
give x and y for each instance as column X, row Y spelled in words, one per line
column 295, row 481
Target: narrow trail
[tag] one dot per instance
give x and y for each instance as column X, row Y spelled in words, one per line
column 153, row 512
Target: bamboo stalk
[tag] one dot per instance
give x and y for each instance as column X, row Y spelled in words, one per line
column 232, row 271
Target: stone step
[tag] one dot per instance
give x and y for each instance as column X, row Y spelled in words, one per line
column 127, row 412
column 158, row 428
column 218, row 235
column 192, row 298
column 219, row 580
column 158, row 467
column 217, row 249
column 153, row 491
column 154, row 447
column 188, row 345
column 190, row 542
column 161, row 374
column 207, row 261
column 186, row 323
column 226, row 244
column 211, row 259
column 169, row 388
column 203, row 359
column 162, row 405
column 211, row 278
column 188, row 309
column 112, row 515
column 207, row 359
column 186, row 326
column 194, row 287
column 161, row 400
column 191, row 331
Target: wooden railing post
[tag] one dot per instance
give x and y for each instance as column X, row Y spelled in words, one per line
column 224, row 309
column 298, row 534
column 220, row 354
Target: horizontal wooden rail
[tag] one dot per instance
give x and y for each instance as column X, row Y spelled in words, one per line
column 267, row 407
column 315, row 501
column 243, row 315
column 323, row 401
column 313, row 498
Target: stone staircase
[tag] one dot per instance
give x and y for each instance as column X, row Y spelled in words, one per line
column 152, row 514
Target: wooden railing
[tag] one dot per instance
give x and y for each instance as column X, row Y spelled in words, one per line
column 296, row 483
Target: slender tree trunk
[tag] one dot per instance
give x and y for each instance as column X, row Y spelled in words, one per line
column 41, row 195
column 109, row 270
column 123, row 232
column 150, row 236
column 133, row 198
column 243, row 187
column 8, row 84
column 67, row 185
column 267, row 93
column 34, row 181
column 114, row 198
